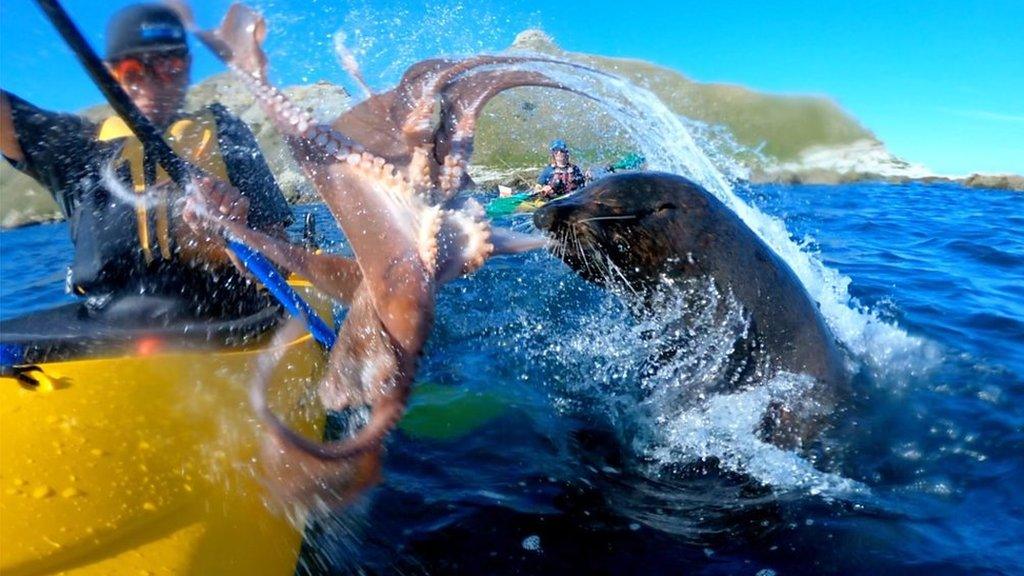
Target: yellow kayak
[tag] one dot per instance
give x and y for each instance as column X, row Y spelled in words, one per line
column 140, row 461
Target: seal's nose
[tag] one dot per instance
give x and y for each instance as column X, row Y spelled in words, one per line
column 544, row 217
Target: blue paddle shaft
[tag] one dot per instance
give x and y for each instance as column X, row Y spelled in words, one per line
column 285, row 294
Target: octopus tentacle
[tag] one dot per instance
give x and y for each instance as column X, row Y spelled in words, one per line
column 468, row 96
column 373, row 203
column 387, row 410
column 336, row 276
column 300, row 471
column 426, row 85
column 452, row 173
column 431, row 83
column 411, row 116
column 507, row 241
column 395, row 200
column 422, row 171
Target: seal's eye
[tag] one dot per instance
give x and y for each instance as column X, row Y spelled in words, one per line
column 666, row 206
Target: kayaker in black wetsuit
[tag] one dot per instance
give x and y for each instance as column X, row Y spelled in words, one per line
column 560, row 176
column 157, row 247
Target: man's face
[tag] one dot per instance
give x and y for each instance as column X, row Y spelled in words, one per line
column 561, row 157
column 156, row 81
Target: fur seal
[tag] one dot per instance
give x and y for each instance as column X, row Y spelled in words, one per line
column 659, row 229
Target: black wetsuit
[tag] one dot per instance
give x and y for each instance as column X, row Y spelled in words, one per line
column 63, row 152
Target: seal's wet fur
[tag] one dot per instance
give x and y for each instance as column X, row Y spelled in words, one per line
column 657, row 228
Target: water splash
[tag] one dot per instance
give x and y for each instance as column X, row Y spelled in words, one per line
column 687, row 407
column 726, row 429
column 113, row 184
column 662, row 136
column 693, row 404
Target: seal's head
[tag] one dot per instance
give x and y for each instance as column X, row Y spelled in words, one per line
column 644, row 223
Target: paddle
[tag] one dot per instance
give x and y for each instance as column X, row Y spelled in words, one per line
column 180, row 171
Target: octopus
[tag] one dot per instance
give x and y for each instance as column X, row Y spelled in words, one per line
column 390, row 170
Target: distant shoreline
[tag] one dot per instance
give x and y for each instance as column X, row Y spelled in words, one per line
column 1008, row 182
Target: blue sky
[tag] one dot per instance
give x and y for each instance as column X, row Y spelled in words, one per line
column 941, row 82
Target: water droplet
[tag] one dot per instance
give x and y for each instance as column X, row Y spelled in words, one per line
column 42, row 492
column 70, row 492
column 149, row 506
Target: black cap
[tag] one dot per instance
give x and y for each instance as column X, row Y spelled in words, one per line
column 144, row 28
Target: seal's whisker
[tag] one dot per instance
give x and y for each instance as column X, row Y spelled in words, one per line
column 625, row 281
column 582, row 251
column 561, row 241
column 596, row 218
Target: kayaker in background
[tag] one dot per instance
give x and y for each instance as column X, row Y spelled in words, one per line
column 560, row 176
column 158, row 247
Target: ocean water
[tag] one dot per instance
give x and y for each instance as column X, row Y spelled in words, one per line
column 534, row 446
column 542, row 439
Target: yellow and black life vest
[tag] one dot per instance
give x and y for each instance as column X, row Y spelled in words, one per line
column 194, row 138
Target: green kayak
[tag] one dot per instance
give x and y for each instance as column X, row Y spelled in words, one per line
column 505, row 205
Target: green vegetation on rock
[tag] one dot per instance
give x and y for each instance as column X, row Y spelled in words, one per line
column 516, row 126
column 23, row 201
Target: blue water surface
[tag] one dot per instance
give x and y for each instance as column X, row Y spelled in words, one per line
column 515, row 471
